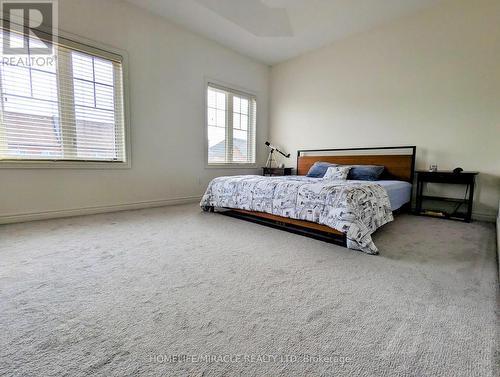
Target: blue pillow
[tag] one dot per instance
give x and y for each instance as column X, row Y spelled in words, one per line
column 365, row 172
column 319, row 169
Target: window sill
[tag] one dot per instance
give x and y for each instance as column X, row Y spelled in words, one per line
column 231, row 166
column 46, row 164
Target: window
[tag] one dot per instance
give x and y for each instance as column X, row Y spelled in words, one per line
column 231, row 123
column 64, row 107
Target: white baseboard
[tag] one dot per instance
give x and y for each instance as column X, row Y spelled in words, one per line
column 489, row 217
column 498, row 241
column 498, row 235
column 24, row 217
column 33, row 216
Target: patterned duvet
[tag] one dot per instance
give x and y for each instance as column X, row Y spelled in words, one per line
column 352, row 207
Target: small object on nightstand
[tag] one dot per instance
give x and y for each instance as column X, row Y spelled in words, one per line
column 273, row 172
column 428, row 212
column 467, row 178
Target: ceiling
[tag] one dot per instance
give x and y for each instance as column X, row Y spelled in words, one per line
column 272, row 31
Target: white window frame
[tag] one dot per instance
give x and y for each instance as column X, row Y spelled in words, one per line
column 102, row 49
column 244, row 92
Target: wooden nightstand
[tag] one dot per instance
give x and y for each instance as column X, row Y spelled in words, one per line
column 466, row 178
column 272, row 172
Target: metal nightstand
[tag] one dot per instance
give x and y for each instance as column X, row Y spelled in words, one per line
column 272, row 172
column 467, row 178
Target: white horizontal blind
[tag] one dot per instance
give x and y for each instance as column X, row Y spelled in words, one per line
column 70, row 110
column 231, row 126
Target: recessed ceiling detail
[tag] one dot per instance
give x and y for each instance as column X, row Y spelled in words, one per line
column 259, row 17
column 272, row 31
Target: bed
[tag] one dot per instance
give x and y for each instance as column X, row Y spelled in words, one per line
column 346, row 212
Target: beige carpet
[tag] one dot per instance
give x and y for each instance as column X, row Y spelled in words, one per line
column 120, row 294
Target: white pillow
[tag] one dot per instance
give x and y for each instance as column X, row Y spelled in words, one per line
column 337, row 173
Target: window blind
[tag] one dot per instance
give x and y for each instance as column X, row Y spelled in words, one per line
column 68, row 106
column 231, row 126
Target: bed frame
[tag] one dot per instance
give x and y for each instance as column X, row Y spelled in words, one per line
column 399, row 164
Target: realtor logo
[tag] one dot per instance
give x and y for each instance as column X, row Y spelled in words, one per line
column 29, row 27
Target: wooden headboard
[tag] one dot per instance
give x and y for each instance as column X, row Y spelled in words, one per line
column 399, row 162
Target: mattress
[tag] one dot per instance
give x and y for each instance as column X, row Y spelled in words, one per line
column 399, row 192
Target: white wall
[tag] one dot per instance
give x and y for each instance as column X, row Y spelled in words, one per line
column 431, row 80
column 167, row 71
